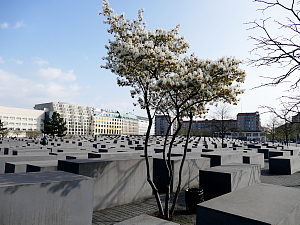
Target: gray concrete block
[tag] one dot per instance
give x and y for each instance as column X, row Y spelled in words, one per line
column 275, row 153
column 294, row 152
column 265, row 151
column 7, row 158
column 46, row 198
column 190, row 172
column 284, row 164
column 40, row 166
column 145, row 220
column 254, row 158
column 257, row 204
column 118, row 180
column 223, row 179
column 223, row 157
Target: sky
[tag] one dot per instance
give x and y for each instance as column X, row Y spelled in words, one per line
column 51, row 51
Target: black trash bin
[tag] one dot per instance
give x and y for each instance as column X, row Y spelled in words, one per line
column 193, row 196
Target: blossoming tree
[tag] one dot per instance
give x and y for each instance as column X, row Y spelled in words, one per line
column 164, row 81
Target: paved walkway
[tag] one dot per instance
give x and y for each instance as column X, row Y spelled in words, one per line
column 124, row 212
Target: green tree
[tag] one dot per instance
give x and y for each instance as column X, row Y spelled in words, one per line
column 3, row 130
column 55, row 126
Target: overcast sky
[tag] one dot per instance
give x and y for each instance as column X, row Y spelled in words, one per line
column 52, row 50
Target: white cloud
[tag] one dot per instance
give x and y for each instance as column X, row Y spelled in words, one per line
column 19, row 24
column 19, row 62
column 4, row 25
column 54, row 73
column 23, row 91
column 1, row 60
column 41, row 62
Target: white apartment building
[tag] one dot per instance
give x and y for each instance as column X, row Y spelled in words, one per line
column 129, row 124
column 22, row 119
column 79, row 119
column 143, row 126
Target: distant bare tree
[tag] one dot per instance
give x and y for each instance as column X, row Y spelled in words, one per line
column 223, row 120
column 17, row 132
column 272, row 124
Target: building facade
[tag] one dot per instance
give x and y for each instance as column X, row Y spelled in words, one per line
column 248, row 122
column 143, row 126
column 162, row 123
column 79, row 119
column 107, row 122
column 22, row 119
column 130, row 124
column 210, row 127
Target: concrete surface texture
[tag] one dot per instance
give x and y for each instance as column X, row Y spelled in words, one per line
column 117, row 180
column 223, row 157
column 284, row 164
column 255, row 204
column 223, row 179
column 46, row 198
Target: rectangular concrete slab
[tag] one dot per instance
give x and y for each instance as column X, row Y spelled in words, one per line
column 223, row 179
column 223, row 157
column 274, row 153
column 118, row 180
column 254, row 158
column 284, row 165
column 256, row 204
column 190, row 172
column 16, row 158
column 46, row 198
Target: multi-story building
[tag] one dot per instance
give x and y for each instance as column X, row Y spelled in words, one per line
column 143, row 126
column 79, row 119
column 162, row 123
column 107, row 122
column 22, row 119
column 210, row 127
column 248, row 121
column 130, row 125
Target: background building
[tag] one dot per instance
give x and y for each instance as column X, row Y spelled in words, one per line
column 162, row 123
column 143, row 123
column 107, row 122
column 22, row 119
column 79, row 119
column 248, row 121
column 130, row 125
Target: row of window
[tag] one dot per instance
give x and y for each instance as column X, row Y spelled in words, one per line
column 20, row 124
column 17, row 118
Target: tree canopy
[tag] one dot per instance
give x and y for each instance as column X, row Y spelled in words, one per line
column 3, row 130
column 55, row 126
column 164, row 80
